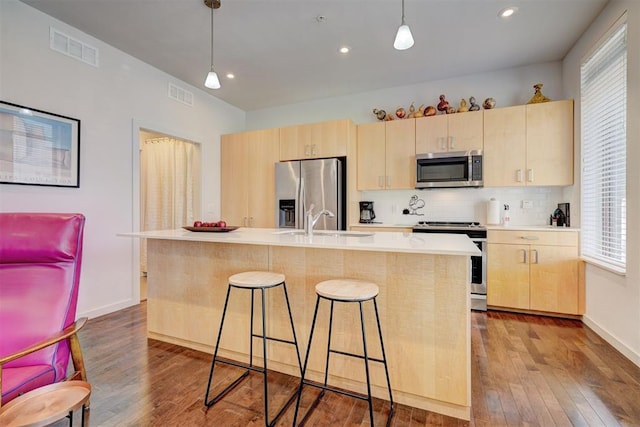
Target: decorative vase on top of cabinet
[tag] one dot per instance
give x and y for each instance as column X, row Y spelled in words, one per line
column 315, row 140
column 529, row 145
column 386, row 155
column 247, row 179
column 449, row 132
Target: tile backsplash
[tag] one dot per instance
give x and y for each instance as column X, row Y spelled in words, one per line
column 528, row 206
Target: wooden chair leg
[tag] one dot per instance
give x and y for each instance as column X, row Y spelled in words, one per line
column 78, row 360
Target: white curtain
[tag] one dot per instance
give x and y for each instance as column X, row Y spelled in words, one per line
column 169, row 186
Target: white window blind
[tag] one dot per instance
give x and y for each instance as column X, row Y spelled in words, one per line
column 604, row 151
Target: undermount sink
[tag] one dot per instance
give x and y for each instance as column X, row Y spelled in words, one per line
column 326, row 233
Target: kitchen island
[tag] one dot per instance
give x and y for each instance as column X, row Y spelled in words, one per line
column 424, row 304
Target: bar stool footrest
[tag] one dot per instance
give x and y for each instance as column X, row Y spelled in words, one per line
column 274, row 339
column 359, row 356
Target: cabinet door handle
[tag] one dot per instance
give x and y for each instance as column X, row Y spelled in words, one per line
column 529, row 237
column 244, row 221
column 452, row 142
column 443, row 144
column 313, row 150
column 307, row 149
column 380, row 181
column 519, row 175
column 534, row 258
column 250, row 221
column 530, row 175
column 388, row 181
column 524, row 256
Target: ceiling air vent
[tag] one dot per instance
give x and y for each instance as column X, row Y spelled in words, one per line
column 60, row 42
column 180, row 95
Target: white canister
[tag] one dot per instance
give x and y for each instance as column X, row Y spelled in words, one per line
column 493, row 211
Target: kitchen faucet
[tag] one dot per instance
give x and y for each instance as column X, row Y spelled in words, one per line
column 312, row 219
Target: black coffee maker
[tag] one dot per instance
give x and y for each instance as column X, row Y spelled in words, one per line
column 366, row 212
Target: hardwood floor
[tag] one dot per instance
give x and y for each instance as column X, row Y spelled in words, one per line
column 526, row 371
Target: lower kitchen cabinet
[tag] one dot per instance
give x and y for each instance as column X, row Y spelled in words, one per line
column 534, row 271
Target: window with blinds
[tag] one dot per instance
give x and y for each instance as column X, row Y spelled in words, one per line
column 604, row 151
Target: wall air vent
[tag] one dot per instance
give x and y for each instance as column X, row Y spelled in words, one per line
column 67, row 45
column 180, row 95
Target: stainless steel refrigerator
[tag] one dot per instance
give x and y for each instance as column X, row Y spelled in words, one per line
column 301, row 184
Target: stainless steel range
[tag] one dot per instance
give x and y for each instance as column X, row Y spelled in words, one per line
column 478, row 264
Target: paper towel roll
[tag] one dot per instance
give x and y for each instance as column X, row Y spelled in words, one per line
column 493, row 212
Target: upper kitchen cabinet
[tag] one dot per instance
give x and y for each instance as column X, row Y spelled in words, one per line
column 505, row 146
column 314, row 141
column 550, row 143
column 449, row 132
column 247, row 177
column 529, row 145
column 386, row 155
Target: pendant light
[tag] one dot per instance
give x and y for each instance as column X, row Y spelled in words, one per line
column 212, row 81
column 404, row 39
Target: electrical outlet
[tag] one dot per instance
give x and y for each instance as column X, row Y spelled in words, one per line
column 527, row 204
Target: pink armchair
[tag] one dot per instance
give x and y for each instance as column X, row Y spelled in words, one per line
column 40, row 259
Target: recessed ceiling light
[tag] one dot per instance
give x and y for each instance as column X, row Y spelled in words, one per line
column 231, row 76
column 507, row 12
column 344, row 49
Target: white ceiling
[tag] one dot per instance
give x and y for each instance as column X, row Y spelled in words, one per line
column 280, row 53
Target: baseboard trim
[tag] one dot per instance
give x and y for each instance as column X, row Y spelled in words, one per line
column 613, row 340
column 101, row 311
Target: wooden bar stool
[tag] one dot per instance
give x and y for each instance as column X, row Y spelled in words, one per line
column 347, row 291
column 254, row 280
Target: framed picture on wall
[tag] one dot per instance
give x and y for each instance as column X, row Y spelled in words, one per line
column 38, row 148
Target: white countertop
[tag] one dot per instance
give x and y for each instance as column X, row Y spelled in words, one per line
column 445, row 244
column 380, row 225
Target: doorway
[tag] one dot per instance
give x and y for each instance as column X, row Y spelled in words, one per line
column 169, row 187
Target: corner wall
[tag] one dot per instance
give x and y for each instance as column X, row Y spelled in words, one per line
column 613, row 301
column 110, row 101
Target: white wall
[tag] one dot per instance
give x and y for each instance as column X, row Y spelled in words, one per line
column 513, row 86
column 613, row 301
column 111, row 101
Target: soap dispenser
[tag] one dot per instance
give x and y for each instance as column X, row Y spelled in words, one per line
column 505, row 216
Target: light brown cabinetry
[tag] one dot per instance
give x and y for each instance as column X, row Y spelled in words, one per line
column 247, row 177
column 449, row 132
column 386, row 155
column 315, row 140
column 534, row 270
column 529, row 145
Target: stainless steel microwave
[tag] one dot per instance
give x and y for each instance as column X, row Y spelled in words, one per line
column 449, row 169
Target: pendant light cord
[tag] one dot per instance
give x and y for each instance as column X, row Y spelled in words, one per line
column 402, row 12
column 212, row 33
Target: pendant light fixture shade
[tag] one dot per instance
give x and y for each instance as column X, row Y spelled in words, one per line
column 404, row 39
column 212, row 81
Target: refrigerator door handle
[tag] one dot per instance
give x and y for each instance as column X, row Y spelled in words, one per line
column 301, row 204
